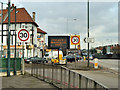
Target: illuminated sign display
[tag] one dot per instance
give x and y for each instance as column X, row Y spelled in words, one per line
column 59, row 42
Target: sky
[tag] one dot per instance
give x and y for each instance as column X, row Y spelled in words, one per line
column 70, row 17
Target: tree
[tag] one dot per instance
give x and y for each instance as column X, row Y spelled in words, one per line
column 93, row 51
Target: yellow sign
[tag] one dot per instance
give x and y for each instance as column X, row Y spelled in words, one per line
column 96, row 64
column 75, row 39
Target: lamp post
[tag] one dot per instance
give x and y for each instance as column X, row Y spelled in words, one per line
column 8, row 52
column 15, row 45
column 88, row 29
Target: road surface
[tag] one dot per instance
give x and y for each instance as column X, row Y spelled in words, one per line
column 109, row 63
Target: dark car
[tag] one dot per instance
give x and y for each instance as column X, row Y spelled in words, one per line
column 38, row 60
column 70, row 58
column 28, row 60
column 78, row 57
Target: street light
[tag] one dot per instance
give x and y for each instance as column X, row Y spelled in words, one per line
column 8, row 72
column 88, row 30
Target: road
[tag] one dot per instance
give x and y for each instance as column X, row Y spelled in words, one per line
column 109, row 63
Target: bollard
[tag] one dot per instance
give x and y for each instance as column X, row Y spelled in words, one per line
column 95, row 63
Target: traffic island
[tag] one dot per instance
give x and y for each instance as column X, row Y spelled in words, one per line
column 82, row 65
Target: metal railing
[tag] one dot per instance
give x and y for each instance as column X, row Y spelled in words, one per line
column 63, row 77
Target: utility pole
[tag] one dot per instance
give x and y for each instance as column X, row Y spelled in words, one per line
column 32, row 41
column 15, row 45
column 75, row 55
column 8, row 52
column 88, row 31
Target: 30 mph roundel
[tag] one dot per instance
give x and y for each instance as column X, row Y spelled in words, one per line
column 23, row 35
column 75, row 40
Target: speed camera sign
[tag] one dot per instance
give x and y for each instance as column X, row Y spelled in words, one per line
column 75, row 39
column 23, row 35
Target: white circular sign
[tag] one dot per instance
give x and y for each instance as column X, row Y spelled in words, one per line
column 23, row 35
column 75, row 39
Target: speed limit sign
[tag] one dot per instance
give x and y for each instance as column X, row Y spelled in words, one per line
column 75, row 39
column 23, row 35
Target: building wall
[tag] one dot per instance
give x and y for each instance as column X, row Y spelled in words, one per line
column 40, row 43
column 12, row 41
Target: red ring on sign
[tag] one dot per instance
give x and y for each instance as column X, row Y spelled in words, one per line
column 19, row 34
column 78, row 39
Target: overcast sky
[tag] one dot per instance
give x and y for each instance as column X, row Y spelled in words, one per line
column 59, row 18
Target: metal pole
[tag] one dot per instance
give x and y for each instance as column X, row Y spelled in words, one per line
column 23, row 67
column 75, row 54
column 8, row 52
column 32, row 40
column 15, row 45
column 1, row 27
column 58, row 55
column 88, row 32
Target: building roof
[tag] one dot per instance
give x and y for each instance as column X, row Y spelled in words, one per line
column 22, row 16
column 41, row 31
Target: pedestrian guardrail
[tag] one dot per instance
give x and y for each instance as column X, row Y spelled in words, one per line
column 63, row 77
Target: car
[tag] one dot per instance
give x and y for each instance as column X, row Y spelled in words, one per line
column 78, row 57
column 70, row 58
column 90, row 57
column 38, row 60
column 28, row 60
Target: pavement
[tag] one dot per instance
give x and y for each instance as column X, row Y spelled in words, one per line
column 25, row 81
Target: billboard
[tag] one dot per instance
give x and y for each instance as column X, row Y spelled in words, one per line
column 62, row 42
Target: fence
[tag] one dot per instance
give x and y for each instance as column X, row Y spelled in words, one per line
column 63, row 77
column 3, row 64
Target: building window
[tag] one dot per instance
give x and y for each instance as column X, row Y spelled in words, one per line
column 20, row 25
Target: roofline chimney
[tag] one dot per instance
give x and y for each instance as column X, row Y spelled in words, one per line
column 33, row 16
column 12, row 5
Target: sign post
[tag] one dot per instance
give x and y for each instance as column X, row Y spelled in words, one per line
column 23, row 36
column 75, row 40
